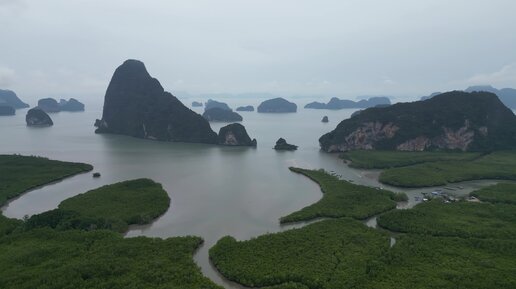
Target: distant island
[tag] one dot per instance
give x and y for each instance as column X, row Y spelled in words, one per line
column 277, row 105
column 245, row 108
column 9, row 98
column 213, row 103
column 336, row 103
column 282, row 145
column 196, row 104
column 51, row 105
column 454, row 120
column 220, row 114
column 136, row 105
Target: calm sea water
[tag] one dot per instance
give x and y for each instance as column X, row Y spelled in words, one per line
column 215, row 190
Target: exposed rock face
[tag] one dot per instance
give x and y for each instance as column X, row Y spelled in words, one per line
column 49, row 105
column 136, row 105
column 336, row 103
column 245, row 108
column 325, row 119
column 7, row 110
column 235, row 135
column 219, row 114
column 282, row 144
column 9, row 98
column 71, row 105
column 213, row 103
column 277, row 105
column 37, row 117
column 452, row 121
column 196, row 104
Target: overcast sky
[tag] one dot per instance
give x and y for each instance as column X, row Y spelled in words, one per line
column 63, row 48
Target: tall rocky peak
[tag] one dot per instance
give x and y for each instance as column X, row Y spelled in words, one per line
column 136, row 104
column 456, row 120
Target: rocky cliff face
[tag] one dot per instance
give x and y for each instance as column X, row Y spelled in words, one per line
column 235, row 135
column 452, row 121
column 37, row 117
column 137, row 105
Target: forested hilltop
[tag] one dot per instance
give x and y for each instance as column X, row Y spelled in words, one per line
column 456, row 120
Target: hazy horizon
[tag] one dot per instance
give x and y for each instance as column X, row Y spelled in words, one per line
column 289, row 48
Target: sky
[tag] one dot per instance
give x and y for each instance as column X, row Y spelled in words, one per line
column 324, row 48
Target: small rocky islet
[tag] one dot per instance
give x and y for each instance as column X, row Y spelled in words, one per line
column 282, row 145
column 38, row 118
column 245, row 108
column 235, row 134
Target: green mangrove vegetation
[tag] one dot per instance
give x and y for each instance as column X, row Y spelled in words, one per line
column 8, row 225
column 499, row 193
column 343, row 199
column 457, row 219
column 327, row 254
column 47, row 258
column 19, row 174
column 422, row 262
column 438, row 244
column 48, row 251
column 497, row 165
column 112, row 207
column 377, row 159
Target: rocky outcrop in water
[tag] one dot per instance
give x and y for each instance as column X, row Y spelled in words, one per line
column 277, row 105
column 235, row 135
column 37, row 117
column 7, row 110
column 223, row 115
column 9, row 98
column 196, row 104
column 137, row 105
column 282, row 144
column 451, row 121
column 325, row 119
column 336, row 103
column 71, row 105
column 213, row 104
column 51, row 105
column 245, row 108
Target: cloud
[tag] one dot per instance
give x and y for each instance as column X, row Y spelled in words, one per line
column 6, row 77
column 505, row 76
